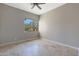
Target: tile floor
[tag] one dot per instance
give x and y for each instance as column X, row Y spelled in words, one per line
column 36, row 48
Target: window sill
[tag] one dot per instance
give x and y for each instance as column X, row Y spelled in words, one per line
column 29, row 31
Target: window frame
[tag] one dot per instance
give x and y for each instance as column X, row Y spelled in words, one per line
column 33, row 21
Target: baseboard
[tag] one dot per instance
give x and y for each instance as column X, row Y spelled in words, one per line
column 78, row 51
column 18, row 41
column 61, row 44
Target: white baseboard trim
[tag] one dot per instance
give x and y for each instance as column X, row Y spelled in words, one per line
column 18, row 41
column 61, row 44
column 78, row 51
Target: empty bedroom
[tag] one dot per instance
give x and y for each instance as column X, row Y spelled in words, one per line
column 39, row 29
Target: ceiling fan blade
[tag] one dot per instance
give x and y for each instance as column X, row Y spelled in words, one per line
column 33, row 6
column 38, row 6
column 41, row 3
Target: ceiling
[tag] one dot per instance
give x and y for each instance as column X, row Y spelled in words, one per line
column 27, row 7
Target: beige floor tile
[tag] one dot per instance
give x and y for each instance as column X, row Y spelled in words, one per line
column 37, row 48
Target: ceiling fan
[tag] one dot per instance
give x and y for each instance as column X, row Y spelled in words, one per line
column 36, row 4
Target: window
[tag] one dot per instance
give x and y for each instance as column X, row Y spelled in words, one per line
column 30, row 24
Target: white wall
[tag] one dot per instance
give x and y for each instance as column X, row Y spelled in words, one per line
column 12, row 24
column 61, row 25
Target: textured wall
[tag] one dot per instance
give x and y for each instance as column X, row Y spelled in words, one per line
column 61, row 25
column 12, row 24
